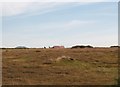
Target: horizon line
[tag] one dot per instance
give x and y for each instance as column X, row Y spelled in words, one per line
column 60, row 45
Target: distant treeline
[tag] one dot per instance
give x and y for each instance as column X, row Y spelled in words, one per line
column 115, row 47
column 76, row 46
column 82, row 46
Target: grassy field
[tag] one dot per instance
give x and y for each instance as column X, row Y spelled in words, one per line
column 88, row 66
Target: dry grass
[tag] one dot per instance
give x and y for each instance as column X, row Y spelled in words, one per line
column 93, row 66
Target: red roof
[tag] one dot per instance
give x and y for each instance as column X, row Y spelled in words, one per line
column 58, row 47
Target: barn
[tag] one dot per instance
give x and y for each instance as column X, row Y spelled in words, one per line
column 58, row 47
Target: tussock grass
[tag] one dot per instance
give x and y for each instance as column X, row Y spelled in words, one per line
column 94, row 66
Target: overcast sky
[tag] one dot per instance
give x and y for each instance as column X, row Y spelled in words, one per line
column 39, row 24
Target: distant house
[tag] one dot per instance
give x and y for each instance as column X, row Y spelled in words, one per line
column 58, row 47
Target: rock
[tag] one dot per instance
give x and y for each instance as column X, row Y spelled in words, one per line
column 64, row 58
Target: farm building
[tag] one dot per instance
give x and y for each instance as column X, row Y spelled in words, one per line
column 58, row 47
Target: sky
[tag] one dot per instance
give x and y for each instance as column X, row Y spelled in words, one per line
column 39, row 24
